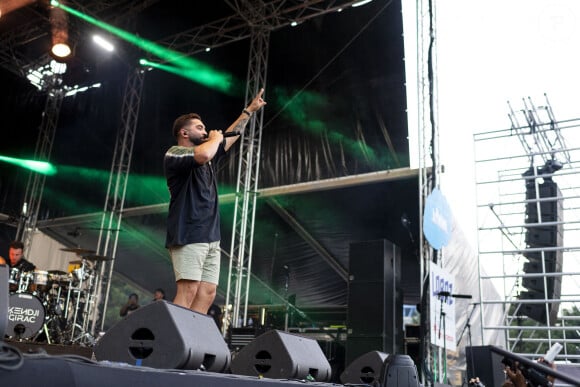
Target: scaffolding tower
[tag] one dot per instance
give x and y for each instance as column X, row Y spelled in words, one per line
column 528, row 206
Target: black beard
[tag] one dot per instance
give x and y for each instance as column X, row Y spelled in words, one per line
column 197, row 141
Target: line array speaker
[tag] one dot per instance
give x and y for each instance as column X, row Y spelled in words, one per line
column 375, row 299
column 541, row 262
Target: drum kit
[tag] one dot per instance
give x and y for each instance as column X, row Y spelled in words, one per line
column 54, row 306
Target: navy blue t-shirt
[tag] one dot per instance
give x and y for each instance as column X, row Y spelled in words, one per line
column 193, row 206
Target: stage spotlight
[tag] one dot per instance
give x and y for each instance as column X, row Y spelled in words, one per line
column 359, row 3
column 59, row 28
column 399, row 371
column 103, row 43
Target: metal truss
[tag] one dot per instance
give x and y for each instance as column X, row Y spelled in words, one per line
column 240, row 266
column 267, row 15
column 35, row 186
column 429, row 167
column 116, row 190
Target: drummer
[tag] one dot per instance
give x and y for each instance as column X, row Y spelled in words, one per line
column 17, row 260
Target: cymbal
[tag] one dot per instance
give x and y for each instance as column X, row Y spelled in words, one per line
column 97, row 258
column 78, row 250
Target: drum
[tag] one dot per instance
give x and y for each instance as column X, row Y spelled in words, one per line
column 39, row 281
column 59, row 280
column 59, row 276
column 13, row 280
column 25, row 316
column 58, row 292
column 19, row 281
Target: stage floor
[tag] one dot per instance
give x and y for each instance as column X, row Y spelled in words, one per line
column 29, row 347
column 31, row 364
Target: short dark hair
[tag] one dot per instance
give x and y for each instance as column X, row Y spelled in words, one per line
column 16, row 245
column 182, row 120
column 134, row 295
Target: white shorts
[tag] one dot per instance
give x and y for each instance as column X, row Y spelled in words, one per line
column 197, row 262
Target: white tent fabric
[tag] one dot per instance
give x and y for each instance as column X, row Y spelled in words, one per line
column 461, row 261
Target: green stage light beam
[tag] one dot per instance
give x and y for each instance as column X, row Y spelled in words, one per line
column 41, row 167
column 195, row 70
column 141, row 190
column 302, row 108
column 199, row 73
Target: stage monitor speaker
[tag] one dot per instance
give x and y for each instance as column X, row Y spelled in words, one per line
column 280, row 355
column 164, row 335
column 4, row 277
column 485, row 364
column 365, row 369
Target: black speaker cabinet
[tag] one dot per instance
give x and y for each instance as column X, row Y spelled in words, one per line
column 482, row 362
column 3, row 300
column 164, row 335
column 280, row 355
column 365, row 369
column 375, row 300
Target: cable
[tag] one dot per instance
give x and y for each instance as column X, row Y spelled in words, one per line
column 10, row 357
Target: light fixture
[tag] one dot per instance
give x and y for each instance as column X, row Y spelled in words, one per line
column 103, row 43
column 359, row 3
column 43, row 76
column 57, row 67
column 59, row 28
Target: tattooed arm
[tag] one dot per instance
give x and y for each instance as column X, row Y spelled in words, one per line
column 240, row 124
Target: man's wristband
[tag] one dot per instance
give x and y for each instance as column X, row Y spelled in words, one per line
column 247, row 112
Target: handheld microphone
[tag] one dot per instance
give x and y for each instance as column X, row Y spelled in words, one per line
column 229, row 134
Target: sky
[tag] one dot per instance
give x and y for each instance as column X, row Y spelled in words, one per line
column 493, row 52
column 489, row 53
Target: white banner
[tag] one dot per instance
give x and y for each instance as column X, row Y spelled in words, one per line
column 442, row 308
